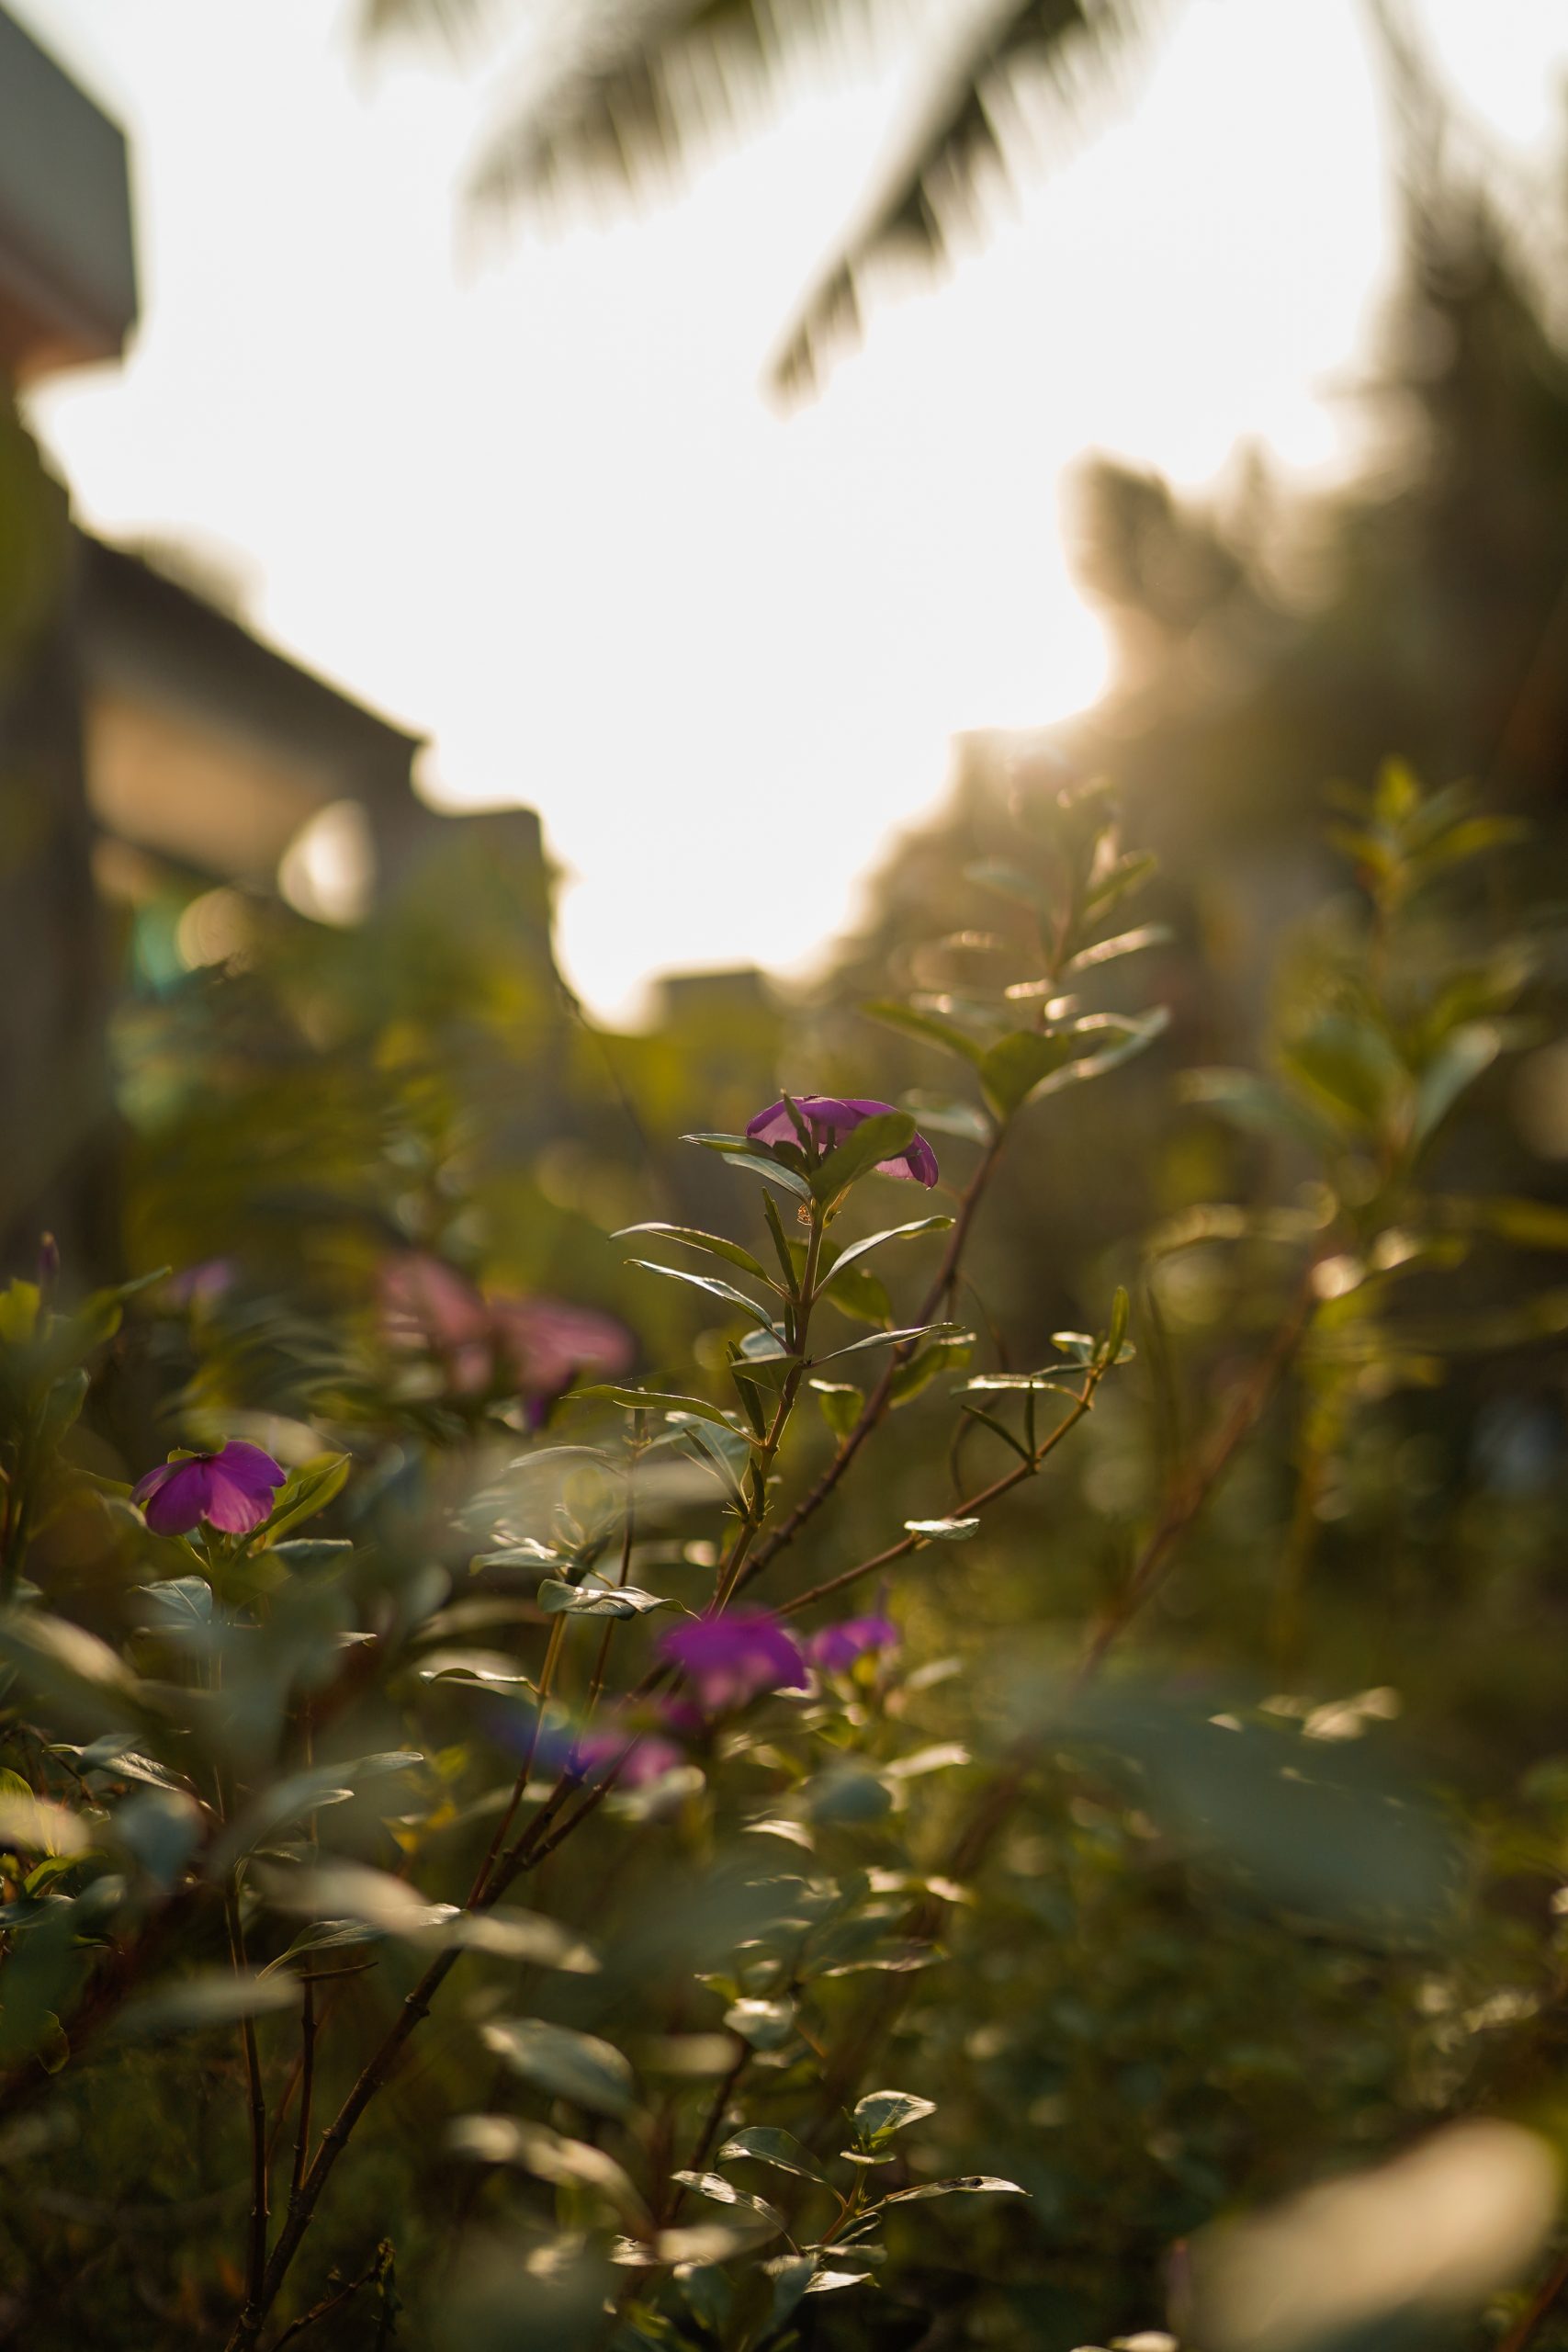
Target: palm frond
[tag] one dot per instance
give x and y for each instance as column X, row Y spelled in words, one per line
column 935, row 159
column 449, row 20
column 624, row 88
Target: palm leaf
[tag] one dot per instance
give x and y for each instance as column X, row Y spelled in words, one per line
column 949, row 136
column 626, row 89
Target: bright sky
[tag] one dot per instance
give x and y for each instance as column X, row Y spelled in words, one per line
column 527, row 495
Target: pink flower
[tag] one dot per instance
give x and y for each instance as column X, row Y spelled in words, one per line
column 831, row 1117
column 733, row 1656
column 230, row 1490
column 536, row 1346
column 834, row 1649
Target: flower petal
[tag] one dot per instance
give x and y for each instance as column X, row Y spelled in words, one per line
column 234, row 1508
column 176, row 1505
column 248, row 1468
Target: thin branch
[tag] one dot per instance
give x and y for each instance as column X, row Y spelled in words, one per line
column 256, row 2251
column 1528, row 2325
column 876, row 1404
column 325, row 2309
column 307, row 2082
column 1191, row 1489
column 971, row 1505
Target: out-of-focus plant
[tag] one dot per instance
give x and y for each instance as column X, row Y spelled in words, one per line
column 543, row 1863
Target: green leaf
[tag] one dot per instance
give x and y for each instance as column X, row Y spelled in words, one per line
column 874, row 1241
column 1120, row 1314
column 503, row 1933
column 304, row 1554
column 711, row 1283
column 840, row 1403
column 572, row 2065
column 969, row 2184
column 1016, row 1065
column 1126, row 943
column 724, row 1448
column 884, row 1136
column 321, row 1935
column 216, row 1997
column 533, row 2147
column 928, row 1027
column 943, row 1531
column 594, row 1598
column 181, row 1605
column 792, row 2275
column 769, row 2146
column 33, row 1825
column 714, row 1244
column 1530, row 1225
column 18, row 1313
column 964, row 1120
column 1256, row 1105
column 1127, row 875
column 880, row 2114
column 766, row 2025
column 1348, row 1067
column 64, row 1663
column 1462, row 1059
column 64, row 1404
column 650, row 1400
column 861, row 1295
column 739, row 1151
column 885, row 1340
column 1128, row 1038
column 307, row 1491
column 713, row 2185
column 1008, row 882
column 944, row 1355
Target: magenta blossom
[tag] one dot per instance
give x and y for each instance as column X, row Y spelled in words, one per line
column 534, row 1345
column 597, row 1753
column 733, row 1656
column 835, row 1648
column 200, row 1286
column 591, row 1754
column 231, row 1489
column 831, row 1118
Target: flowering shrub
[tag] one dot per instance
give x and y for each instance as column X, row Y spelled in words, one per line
column 558, row 1905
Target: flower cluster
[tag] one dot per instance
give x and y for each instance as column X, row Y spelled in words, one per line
column 535, row 1346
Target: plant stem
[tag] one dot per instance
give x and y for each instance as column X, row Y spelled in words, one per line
column 1191, row 1489
column 307, row 2081
column 255, row 2252
column 733, row 1574
column 970, row 1505
column 1527, row 2325
column 546, row 1675
column 879, row 1398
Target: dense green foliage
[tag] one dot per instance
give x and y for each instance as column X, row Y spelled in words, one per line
column 1096, row 1839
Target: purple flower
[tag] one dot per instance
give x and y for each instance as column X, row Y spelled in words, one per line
column 592, row 1755
column 534, row 1345
column 200, row 1287
column 230, row 1490
column 835, row 1648
column 831, row 1118
column 732, row 1657
column 596, row 1753
column 546, row 1342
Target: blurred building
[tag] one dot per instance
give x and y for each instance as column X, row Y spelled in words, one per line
column 153, row 748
